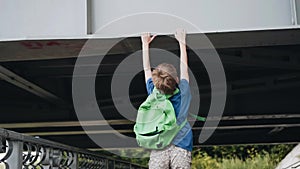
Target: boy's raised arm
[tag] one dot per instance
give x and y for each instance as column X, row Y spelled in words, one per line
column 146, row 40
column 180, row 36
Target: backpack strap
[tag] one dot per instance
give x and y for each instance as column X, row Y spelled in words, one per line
column 197, row 117
column 167, row 96
column 170, row 95
column 183, row 123
column 159, row 95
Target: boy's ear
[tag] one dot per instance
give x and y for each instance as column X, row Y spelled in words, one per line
column 177, row 80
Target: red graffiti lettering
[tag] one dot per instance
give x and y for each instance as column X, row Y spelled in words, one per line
column 32, row 45
column 53, row 43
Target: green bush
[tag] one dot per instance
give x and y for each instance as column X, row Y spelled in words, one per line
column 277, row 152
column 223, row 157
column 240, row 157
column 202, row 160
column 258, row 162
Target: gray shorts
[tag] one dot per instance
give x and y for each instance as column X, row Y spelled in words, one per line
column 171, row 157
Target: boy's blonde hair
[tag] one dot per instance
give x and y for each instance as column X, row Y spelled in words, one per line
column 164, row 78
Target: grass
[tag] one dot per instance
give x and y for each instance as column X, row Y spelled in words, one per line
column 258, row 162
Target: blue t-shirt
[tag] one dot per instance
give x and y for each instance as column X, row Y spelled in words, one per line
column 181, row 103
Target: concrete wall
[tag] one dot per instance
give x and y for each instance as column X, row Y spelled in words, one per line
column 34, row 19
column 42, row 18
column 208, row 15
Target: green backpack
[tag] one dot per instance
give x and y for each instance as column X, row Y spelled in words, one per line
column 156, row 125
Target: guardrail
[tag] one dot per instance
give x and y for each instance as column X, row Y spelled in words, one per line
column 18, row 151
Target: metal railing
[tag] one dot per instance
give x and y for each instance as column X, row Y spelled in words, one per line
column 18, row 151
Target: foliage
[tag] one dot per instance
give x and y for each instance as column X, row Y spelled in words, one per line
column 277, row 152
column 240, row 157
column 258, row 162
column 222, row 157
column 125, row 153
column 201, row 160
column 137, row 153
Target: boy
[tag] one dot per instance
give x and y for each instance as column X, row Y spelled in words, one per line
column 164, row 78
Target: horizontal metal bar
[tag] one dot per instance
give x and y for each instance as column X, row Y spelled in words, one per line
column 243, row 144
column 115, row 148
column 259, row 117
column 128, row 122
column 25, row 138
column 65, row 124
column 247, row 126
column 195, row 146
column 57, row 133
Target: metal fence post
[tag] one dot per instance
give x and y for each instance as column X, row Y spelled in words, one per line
column 74, row 164
column 2, row 144
column 15, row 160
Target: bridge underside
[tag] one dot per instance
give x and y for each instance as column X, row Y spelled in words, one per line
column 263, row 83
